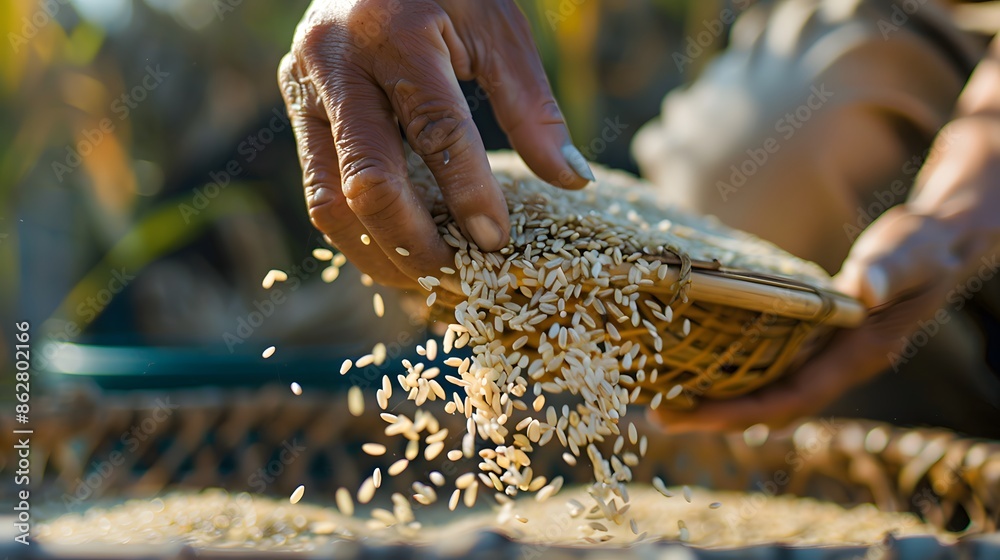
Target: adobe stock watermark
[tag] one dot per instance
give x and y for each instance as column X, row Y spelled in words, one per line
column 563, row 11
column 376, row 24
column 710, row 30
column 785, row 128
column 884, row 199
column 897, row 191
column 131, row 440
column 225, row 7
column 900, row 16
column 31, row 25
column 956, row 299
column 259, row 480
column 220, row 179
column 122, row 107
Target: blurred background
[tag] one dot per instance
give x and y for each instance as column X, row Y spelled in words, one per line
column 148, row 180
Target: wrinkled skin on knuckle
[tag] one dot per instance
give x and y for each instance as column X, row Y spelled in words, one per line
column 436, row 128
column 297, row 89
column 432, row 122
column 371, row 192
column 331, row 216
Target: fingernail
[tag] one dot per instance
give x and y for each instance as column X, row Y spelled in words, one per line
column 579, row 163
column 485, row 232
column 878, row 284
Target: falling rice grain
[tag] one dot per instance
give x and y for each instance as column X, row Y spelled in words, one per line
column 470, row 495
column 367, row 491
column 377, row 477
column 687, row 493
column 402, row 251
column 379, row 353
column 322, row 254
column 453, row 501
column 398, row 467
column 268, row 352
column 271, row 277
column 296, row 388
column 355, row 401
column 437, row 478
column 674, row 391
column 539, row 403
column 464, row 481
column 549, row 489
column 330, row 274
column 433, row 450
column 297, row 494
column 661, row 487
column 715, row 505
column 346, row 366
column 378, row 304
column 365, row 239
column 373, row 449
column 344, row 502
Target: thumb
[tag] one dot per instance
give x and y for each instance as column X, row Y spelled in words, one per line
column 900, row 253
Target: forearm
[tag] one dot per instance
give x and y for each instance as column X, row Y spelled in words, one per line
column 960, row 184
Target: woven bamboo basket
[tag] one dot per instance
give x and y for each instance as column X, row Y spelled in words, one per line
column 216, row 439
column 746, row 327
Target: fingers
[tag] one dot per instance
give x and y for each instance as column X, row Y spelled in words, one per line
column 375, row 182
column 327, row 206
column 435, row 117
column 525, row 108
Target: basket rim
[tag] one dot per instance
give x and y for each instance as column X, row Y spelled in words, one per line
column 787, row 297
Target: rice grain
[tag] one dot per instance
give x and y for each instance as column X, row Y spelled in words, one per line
column 297, row 495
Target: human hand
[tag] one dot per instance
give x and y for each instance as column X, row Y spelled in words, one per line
column 907, row 266
column 359, row 70
column 902, row 268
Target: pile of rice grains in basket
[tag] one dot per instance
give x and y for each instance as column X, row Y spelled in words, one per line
column 575, row 258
